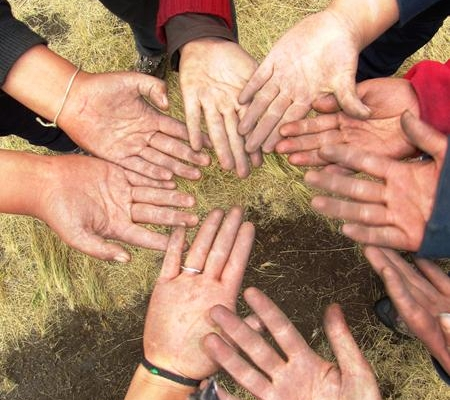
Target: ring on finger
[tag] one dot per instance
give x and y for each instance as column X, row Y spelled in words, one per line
column 191, row 270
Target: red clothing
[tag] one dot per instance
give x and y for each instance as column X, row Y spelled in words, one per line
column 171, row 8
column 431, row 81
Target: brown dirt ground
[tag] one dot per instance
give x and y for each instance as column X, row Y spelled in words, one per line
column 302, row 265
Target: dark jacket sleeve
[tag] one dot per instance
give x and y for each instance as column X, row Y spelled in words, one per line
column 436, row 241
column 15, row 39
column 411, row 8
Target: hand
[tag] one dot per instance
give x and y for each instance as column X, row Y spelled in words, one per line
column 381, row 134
column 106, row 114
column 301, row 373
column 87, row 200
column 177, row 316
column 316, row 57
column 392, row 213
column 419, row 297
column 213, row 72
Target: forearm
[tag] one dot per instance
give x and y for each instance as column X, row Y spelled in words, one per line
column 22, row 176
column 367, row 19
column 145, row 386
column 38, row 80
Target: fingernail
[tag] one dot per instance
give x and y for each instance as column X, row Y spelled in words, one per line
column 122, row 258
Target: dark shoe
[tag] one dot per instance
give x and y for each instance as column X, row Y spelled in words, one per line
column 388, row 316
column 152, row 65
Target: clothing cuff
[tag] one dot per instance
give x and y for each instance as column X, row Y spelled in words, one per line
column 184, row 28
column 410, row 8
column 436, row 241
column 15, row 39
column 441, row 371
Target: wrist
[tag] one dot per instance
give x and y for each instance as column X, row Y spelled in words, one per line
column 204, row 41
column 145, row 385
column 365, row 20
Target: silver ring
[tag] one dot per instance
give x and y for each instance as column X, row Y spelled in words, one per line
column 193, row 270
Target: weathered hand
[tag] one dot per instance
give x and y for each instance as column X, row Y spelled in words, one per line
column 392, row 212
column 301, row 373
column 86, row 200
column 316, row 57
column 213, row 72
column 381, row 134
column 418, row 296
column 106, row 114
column 177, row 316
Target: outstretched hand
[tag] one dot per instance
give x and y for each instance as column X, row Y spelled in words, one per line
column 213, row 72
column 300, row 373
column 394, row 211
column 317, row 57
column 86, row 200
column 177, row 316
column 107, row 115
column 381, row 134
column 419, row 296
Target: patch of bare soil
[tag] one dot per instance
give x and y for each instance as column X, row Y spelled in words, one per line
column 301, row 265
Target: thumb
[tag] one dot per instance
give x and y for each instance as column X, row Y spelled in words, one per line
column 155, row 90
column 423, row 136
column 327, row 104
column 95, row 246
column 349, row 101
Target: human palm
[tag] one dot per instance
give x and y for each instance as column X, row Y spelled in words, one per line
column 381, row 133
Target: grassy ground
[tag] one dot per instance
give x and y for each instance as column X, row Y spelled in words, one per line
column 40, row 278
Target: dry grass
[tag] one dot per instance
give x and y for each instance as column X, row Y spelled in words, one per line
column 39, row 275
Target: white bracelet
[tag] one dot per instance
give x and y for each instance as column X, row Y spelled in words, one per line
column 69, row 86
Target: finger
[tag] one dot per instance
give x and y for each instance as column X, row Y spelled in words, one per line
column 219, row 139
column 256, row 158
column 249, row 341
column 137, row 235
column 435, row 275
column 172, row 260
column 146, row 168
column 294, row 112
column 193, row 111
column 307, row 158
column 161, row 197
column 150, row 214
column 178, row 149
column 200, row 248
column 326, row 104
column 266, row 125
column 347, row 352
column 337, row 169
column 444, row 323
column 309, row 142
column 368, row 214
column 255, row 323
column 257, row 108
column 424, row 136
column 96, row 246
column 234, row 270
column 154, row 90
column 225, row 239
column 241, row 371
column 353, row 188
column 353, row 158
column 282, row 330
column 259, row 78
column 310, row 125
column 172, row 127
column 348, row 99
column 136, row 179
column 237, row 143
column 171, row 164
column 383, row 236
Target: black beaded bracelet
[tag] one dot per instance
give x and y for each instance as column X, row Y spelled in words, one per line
column 154, row 370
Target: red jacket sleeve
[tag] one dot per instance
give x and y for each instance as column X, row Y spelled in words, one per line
column 170, row 8
column 431, row 81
